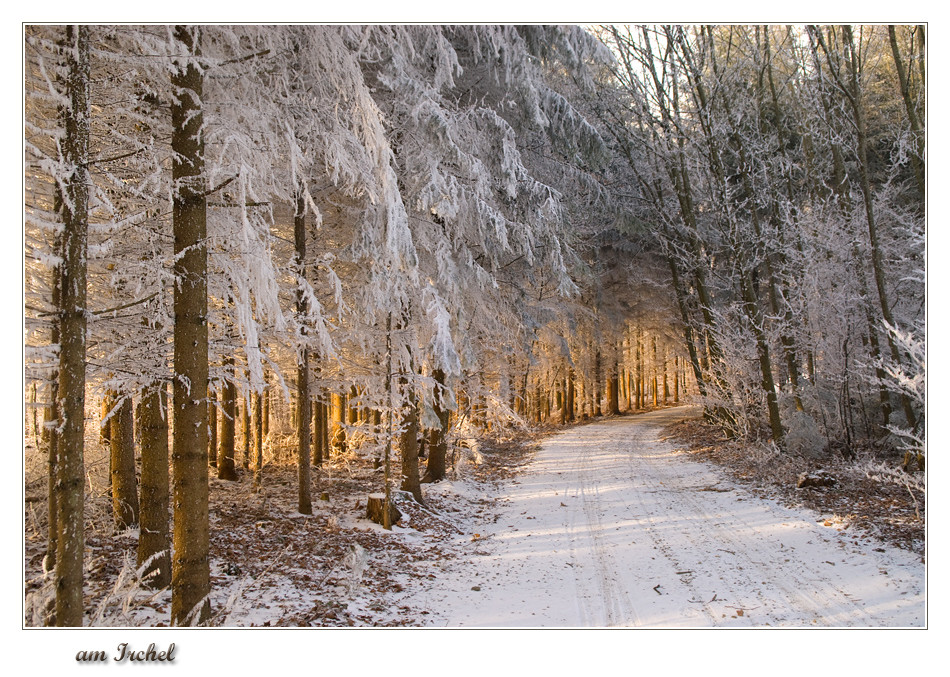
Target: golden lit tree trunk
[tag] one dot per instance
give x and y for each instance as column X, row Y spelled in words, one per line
column 154, row 543
column 105, row 407
column 257, row 436
column 125, row 502
column 337, row 422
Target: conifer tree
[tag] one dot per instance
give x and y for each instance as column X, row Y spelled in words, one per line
column 190, row 564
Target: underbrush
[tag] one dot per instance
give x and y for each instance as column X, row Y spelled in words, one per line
column 270, row 565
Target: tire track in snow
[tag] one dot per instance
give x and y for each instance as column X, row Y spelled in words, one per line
column 609, row 526
column 613, row 602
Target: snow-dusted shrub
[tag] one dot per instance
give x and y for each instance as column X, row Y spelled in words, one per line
column 803, row 436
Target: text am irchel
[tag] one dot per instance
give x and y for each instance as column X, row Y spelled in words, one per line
column 127, row 653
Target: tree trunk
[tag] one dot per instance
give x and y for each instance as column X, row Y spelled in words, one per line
column 438, row 437
column 538, row 396
column 212, row 428
column 598, row 383
column 337, row 421
column 51, row 413
column 246, row 433
column 613, row 390
column 257, row 436
column 265, row 411
column 409, row 444
column 191, row 581
column 105, row 428
column 304, row 503
column 352, row 410
column 656, row 401
column 154, row 545
column 319, row 432
column 226, row 469
column 72, row 355
column 569, row 400
column 562, row 399
column 676, row 379
column 125, row 502
column 666, row 385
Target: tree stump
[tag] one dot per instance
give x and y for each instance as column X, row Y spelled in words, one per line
column 374, row 509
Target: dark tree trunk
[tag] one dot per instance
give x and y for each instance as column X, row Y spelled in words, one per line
column 598, row 383
column 666, row 384
column 654, row 383
column 320, row 441
column 191, row 578
column 613, row 390
column 569, row 399
column 438, row 437
column 212, row 428
column 304, row 502
column 246, row 433
column 226, row 469
column 265, row 411
column 676, row 380
column 409, row 445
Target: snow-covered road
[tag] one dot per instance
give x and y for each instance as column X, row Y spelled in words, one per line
column 608, row 526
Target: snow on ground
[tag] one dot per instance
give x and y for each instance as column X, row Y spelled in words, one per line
column 604, row 526
column 609, row 526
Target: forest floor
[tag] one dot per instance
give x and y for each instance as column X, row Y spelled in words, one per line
column 648, row 520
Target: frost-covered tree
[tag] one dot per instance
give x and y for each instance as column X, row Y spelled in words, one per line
column 752, row 135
